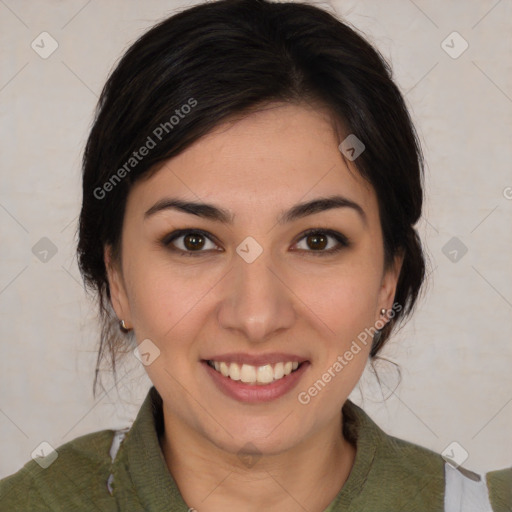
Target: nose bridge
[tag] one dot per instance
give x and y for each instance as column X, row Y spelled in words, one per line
column 256, row 302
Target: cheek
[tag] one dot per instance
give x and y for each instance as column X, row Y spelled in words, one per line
column 345, row 303
column 345, row 307
column 165, row 301
column 346, row 298
column 348, row 313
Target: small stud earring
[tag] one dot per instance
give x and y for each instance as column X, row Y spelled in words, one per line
column 383, row 311
column 123, row 328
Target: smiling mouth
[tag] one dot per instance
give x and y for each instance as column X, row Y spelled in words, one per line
column 259, row 375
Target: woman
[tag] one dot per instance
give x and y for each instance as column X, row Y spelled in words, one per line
column 250, row 190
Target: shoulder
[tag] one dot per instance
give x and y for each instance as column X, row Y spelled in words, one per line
column 395, row 458
column 405, row 475
column 391, row 473
column 417, row 473
column 463, row 490
column 72, row 475
column 499, row 483
column 453, row 488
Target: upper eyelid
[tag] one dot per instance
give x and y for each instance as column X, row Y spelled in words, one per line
column 178, row 233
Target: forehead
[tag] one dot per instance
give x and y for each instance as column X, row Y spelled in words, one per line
column 275, row 156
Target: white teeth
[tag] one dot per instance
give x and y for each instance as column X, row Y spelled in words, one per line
column 234, row 371
column 265, row 374
column 255, row 374
column 248, row 373
column 224, row 369
column 279, row 371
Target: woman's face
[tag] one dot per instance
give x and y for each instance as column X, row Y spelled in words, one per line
column 243, row 285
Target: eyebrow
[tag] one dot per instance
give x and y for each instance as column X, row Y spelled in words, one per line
column 218, row 214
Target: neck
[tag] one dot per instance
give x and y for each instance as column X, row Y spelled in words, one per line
column 307, row 477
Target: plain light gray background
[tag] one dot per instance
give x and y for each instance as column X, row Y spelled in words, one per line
column 456, row 352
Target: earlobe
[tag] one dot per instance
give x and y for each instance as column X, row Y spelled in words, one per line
column 390, row 281
column 118, row 295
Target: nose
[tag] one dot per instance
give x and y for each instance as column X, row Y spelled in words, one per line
column 257, row 300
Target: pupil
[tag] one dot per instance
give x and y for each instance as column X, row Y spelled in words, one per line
column 317, row 241
column 194, row 241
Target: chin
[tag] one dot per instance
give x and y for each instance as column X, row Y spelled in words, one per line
column 263, row 436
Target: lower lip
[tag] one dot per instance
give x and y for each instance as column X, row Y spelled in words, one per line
column 256, row 393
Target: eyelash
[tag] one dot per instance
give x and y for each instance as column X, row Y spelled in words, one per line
column 342, row 240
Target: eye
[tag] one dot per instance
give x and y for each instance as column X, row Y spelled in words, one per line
column 322, row 241
column 189, row 241
column 315, row 241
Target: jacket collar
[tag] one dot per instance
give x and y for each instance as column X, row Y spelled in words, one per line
column 140, row 468
column 142, row 474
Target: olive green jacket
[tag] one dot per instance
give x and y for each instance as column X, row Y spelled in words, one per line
column 125, row 471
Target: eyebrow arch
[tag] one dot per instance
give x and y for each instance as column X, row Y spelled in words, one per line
column 215, row 213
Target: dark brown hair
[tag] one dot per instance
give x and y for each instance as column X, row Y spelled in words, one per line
column 224, row 59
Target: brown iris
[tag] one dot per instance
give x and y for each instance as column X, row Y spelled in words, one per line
column 317, row 241
column 193, row 241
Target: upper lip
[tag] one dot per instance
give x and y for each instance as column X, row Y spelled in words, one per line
column 256, row 359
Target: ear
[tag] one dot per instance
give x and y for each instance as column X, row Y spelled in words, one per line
column 389, row 284
column 117, row 287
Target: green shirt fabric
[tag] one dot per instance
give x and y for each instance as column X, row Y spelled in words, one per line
column 388, row 475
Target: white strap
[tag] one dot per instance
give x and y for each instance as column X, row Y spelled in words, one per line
column 116, row 442
column 462, row 494
column 114, row 448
